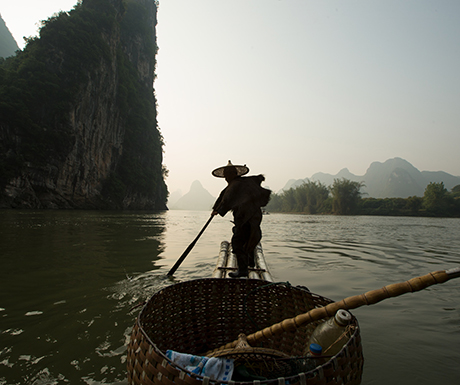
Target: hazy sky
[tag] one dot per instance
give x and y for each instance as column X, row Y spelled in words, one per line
column 294, row 87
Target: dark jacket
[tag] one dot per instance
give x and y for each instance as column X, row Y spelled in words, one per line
column 244, row 196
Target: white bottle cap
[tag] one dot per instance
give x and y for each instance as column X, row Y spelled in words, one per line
column 343, row 317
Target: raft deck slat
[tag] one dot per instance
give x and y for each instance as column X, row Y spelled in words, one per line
column 221, row 260
column 227, row 262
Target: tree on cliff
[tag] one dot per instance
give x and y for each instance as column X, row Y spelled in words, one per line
column 78, row 119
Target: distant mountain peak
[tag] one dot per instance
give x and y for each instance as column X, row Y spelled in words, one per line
column 345, row 173
column 394, row 178
column 392, row 163
column 8, row 45
column 196, row 185
column 198, row 198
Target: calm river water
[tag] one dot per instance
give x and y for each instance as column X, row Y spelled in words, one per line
column 69, row 280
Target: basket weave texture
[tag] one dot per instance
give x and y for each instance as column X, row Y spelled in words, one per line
column 201, row 315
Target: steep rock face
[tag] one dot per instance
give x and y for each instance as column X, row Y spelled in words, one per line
column 104, row 139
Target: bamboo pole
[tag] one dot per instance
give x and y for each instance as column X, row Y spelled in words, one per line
column 189, row 248
column 221, row 260
column 369, row 298
column 260, row 262
column 231, row 263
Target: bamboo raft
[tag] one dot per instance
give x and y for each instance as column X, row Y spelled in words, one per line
column 226, row 262
column 204, row 316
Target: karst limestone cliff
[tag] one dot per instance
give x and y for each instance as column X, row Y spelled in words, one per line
column 78, row 124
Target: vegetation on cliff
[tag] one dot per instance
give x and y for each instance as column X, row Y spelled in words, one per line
column 344, row 197
column 38, row 90
column 43, row 85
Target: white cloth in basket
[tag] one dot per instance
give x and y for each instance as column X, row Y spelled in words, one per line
column 215, row 368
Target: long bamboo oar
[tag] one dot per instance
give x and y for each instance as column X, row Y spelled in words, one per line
column 189, row 248
column 369, row 298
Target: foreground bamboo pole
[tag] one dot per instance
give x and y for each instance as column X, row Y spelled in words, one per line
column 369, row 298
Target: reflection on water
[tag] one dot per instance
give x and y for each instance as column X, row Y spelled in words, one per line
column 71, row 281
column 68, row 281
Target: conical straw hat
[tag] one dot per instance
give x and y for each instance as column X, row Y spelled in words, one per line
column 241, row 170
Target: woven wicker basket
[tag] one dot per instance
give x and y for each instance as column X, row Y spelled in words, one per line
column 201, row 315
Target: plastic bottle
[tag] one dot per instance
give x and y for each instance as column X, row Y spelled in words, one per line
column 314, row 357
column 331, row 334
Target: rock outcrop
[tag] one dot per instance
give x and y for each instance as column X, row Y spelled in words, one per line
column 101, row 147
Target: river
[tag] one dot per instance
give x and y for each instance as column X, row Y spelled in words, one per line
column 70, row 279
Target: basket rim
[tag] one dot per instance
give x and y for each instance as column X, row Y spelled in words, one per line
column 254, row 280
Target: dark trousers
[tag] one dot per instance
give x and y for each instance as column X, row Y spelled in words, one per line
column 246, row 236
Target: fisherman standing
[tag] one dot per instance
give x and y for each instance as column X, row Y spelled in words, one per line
column 245, row 197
